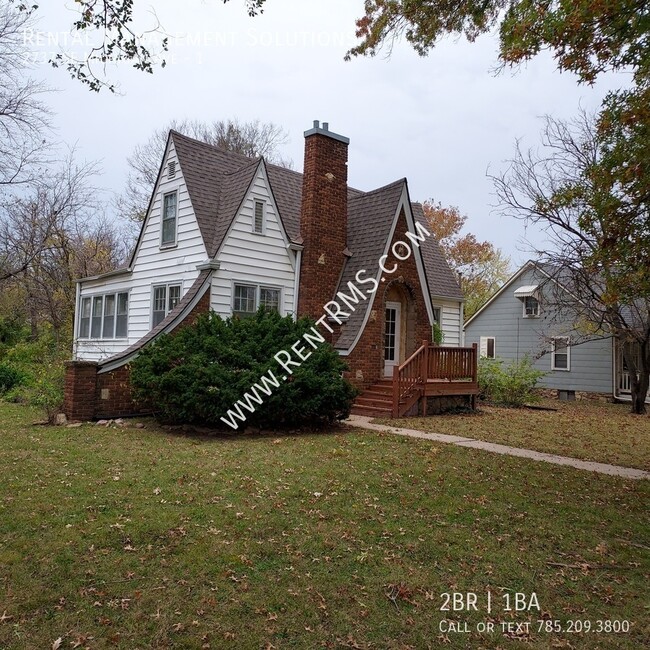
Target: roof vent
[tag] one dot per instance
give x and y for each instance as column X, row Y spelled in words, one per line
column 171, row 170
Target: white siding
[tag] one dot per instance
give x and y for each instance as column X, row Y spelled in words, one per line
column 251, row 258
column 451, row 322
column 152, row 265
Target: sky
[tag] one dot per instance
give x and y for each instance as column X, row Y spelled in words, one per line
column 442, row 121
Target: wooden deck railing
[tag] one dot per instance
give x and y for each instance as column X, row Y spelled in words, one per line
column 431, row 363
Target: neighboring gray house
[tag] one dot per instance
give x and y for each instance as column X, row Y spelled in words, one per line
column 515, row 322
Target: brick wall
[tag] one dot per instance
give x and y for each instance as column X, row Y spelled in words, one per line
column 89, row 395
column 79, row 392
column 367, row 359
column 323, row 221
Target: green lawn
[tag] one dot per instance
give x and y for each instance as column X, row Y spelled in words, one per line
column 606, row 433
column 132, row 538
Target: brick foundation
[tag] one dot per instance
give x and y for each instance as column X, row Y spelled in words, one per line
column 80, row 388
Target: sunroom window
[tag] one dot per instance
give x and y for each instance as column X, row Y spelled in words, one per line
column 104, row 317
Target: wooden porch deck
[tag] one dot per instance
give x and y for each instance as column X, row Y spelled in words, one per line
column 431, row 371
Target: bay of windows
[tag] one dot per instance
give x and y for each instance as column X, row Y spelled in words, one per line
column 104, row 317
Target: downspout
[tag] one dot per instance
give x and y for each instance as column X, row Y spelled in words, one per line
column 296, row 282
column 462, row 324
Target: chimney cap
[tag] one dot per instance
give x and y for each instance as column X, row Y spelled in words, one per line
column 317, row 129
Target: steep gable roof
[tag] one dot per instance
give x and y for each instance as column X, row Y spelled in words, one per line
column 370, row 218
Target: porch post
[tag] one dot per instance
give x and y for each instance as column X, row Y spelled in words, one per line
column 475, row 363
column 396, row 391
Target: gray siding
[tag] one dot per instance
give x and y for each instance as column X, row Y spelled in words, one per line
column 516, row 336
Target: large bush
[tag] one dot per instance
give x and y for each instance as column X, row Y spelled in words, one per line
column 508, row 385
column 40, row 366
column 9, row 377
column 199, row 373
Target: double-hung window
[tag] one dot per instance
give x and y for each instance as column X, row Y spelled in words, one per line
column 561, row 354
column 165, row 298
column 169, row 219
column 248, row 298
column 104, row 317
column 531, row 307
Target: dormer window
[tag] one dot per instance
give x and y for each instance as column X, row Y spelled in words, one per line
column 169, row 219
column 258, row 220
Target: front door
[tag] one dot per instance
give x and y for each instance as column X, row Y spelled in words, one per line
column 392, row 337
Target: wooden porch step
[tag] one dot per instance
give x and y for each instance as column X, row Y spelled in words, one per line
column 370, row 411
column 378, row 393
column 366, row 400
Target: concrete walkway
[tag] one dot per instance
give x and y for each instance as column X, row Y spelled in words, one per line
column 602, row 468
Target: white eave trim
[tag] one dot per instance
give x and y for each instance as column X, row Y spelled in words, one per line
column 109, row 274
column 526, row 267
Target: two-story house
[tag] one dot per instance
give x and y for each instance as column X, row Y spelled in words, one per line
column 227, row 233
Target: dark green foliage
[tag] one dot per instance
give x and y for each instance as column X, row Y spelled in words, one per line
column 9, row 377
column 508, row 385
column 197, row 374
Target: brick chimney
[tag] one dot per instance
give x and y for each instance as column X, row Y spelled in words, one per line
column 323, row 217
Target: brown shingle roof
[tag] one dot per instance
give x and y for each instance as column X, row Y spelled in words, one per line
column 370, row 217
column 217, row 182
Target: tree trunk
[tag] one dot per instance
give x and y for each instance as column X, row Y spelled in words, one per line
column 639, row 393
column 639, row 382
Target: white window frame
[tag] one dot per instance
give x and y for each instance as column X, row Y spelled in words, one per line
column 92, row 297
column 484, row 345
column 170, row 244
column 258, row 290
column 437, row 308
column 526, row 315
column 166, row 286
column 262, row 230
column 568, row 353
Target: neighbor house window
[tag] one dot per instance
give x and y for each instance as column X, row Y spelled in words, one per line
column 169, row 218
column 487, row 347
column 531, row 307
column 165, row 298
column 437, row 314
column 561, row 354
column 258, row 222
column 104, row 317
column 247, row 299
